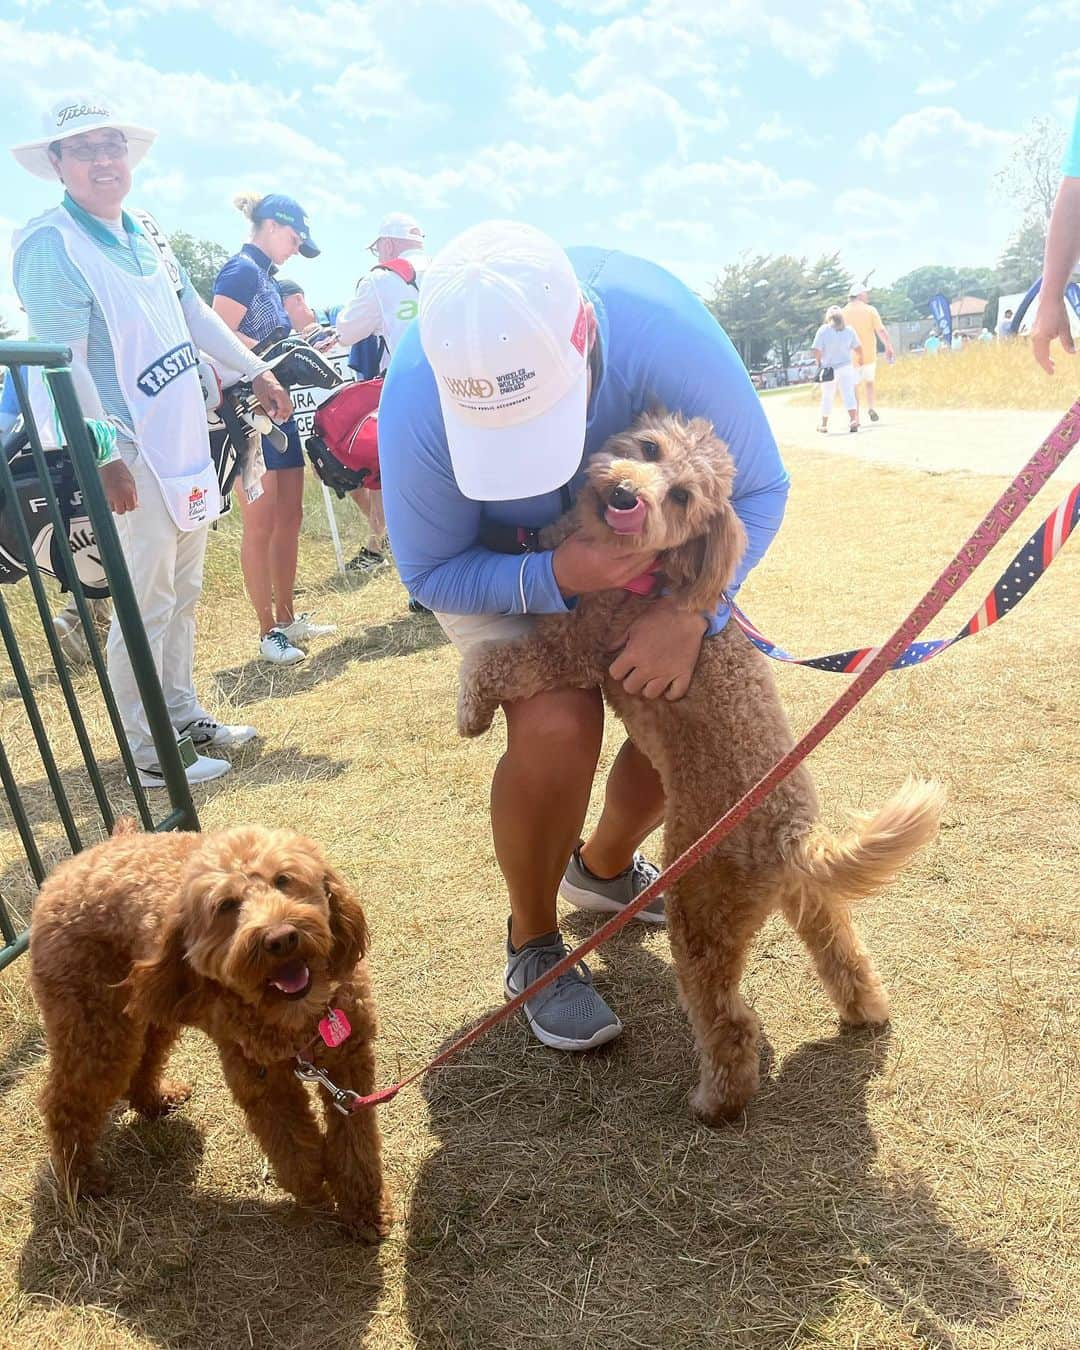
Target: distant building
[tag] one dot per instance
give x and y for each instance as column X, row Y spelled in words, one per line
column 968, row 315
column 910, row 335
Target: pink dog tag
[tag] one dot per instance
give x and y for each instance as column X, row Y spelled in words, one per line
column 334, row 1028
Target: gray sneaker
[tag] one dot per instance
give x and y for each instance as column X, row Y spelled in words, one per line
column 586, row 891
column 569, row 1014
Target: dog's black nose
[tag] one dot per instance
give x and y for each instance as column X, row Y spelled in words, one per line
column 622, row 498
column 282, row 940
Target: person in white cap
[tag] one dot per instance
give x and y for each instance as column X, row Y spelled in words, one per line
column 89, row 277
column 861, row 315
column 383, row 306
column 524, row 361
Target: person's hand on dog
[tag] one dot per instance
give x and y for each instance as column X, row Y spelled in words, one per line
column 581, row 565
column 275, row 401
column 660, row 651
column 120, row 491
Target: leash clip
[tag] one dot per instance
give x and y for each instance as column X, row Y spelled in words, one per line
column 342, row 1098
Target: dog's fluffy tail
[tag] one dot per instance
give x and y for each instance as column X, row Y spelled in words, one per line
column 825, row 869
column 125, row 825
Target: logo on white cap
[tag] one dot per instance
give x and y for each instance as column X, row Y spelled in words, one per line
column 505, row 331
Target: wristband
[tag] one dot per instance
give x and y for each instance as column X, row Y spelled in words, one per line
column 103, row 438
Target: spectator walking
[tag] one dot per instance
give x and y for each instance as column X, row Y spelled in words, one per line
column 835, row 346
column 861, row 315
column 247, row 298
column 1004, row 327
column 383, row 307
column 932, row 345
column 1062, row 255
column 89, row 278
column 957, row 342
column 570, row 341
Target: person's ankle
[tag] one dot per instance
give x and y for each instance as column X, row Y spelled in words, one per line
column 604, row 867
column 521, row 936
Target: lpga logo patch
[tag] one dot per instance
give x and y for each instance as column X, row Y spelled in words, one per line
column 196, row 504
column 166, row 368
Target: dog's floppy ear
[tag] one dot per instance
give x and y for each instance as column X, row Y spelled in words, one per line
column 347, row 924
column 701, row 569
column 159, row 987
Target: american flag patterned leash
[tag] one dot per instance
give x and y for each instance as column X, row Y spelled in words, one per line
column 1011, row 587
column 1035, row 473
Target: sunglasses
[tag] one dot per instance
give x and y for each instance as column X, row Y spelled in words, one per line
column 86, row 154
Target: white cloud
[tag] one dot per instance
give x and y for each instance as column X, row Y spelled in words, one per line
column 774, row 128
column 866, row 215
column 938, row 86
column 918, row 136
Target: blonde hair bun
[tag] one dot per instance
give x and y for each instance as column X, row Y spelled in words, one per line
column 246, row 202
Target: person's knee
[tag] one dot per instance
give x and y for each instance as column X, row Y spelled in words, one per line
column 562, row 728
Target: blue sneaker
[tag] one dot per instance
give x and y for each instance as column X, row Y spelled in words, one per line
column 567, row 1015
column 581, row 888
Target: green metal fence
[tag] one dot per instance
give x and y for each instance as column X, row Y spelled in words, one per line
column 181, row 813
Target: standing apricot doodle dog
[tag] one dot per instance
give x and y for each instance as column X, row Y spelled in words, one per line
column 666, row 483
column 249, row 934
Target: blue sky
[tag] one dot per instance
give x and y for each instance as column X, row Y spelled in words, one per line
column 684, row 130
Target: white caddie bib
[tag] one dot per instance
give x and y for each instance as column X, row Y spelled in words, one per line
column 398, row 301
column 156, row 367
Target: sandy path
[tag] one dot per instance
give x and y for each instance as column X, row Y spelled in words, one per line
column 995, row 442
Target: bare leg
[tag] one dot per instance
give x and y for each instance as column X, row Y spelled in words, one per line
column 352, row 1157
column 149, row 1093
column 845, row 967
column 280, row 1117
column 633, row 808
column 255, row 550
column 371, row 508
column 539, row 795
column 712, row 918
column 285, row 541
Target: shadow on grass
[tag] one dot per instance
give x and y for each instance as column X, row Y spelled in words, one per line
column 401, row 636
column 577, row 1194
column 185, row 1267
column 21, row 1056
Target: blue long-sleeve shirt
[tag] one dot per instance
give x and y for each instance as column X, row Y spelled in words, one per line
column 659, row 344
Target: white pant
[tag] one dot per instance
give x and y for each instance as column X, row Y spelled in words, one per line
column 166, row 567
column 845, row 379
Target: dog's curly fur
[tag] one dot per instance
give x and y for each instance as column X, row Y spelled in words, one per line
column 147, row 933
column 709, row 748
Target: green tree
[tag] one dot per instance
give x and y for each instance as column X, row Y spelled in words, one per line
column 740, row 305
column 924, row 282
column 827, row 283
column 202, row 259
column 1022, row 259
column 893, row 304
column 1033, row 171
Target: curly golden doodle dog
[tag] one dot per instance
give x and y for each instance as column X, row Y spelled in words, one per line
column 249, row 934
column 666, row 484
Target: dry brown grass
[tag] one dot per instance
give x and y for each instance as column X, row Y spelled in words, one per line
column 980, row 375
column 911, row 1189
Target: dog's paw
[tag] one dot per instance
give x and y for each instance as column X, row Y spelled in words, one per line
column 92, row 1183
column 474, row 716
column 370, row 1224
column 166, row 1097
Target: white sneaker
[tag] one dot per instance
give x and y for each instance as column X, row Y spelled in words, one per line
column 276, row 648
column 202, row 771
column 302, row 629
column 72, row 639
column 209, row 731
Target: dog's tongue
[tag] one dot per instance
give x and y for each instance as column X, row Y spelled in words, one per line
column 292, row 977
column 626, row 522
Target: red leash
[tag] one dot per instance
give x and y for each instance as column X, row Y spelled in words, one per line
column 1005, row 510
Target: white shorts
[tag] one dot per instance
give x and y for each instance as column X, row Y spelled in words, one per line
column 467, row 630
column 867, row 373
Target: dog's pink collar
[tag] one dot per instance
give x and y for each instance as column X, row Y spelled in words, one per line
column 645, row 583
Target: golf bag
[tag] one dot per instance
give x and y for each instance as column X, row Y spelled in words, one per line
column 30, row 502
column 344, row 450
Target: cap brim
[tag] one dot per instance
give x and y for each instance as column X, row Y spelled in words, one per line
column 309, row 249
column 34, row 155
column 498, row 464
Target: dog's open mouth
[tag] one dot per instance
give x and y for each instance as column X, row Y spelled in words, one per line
column 629, row 521
column 293, row 979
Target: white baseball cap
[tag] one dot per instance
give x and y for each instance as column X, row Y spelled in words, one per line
column 72, row 116
column 398, row 225
column 504, row 328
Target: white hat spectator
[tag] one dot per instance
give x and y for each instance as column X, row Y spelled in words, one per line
column 73, row 116
column 504, row 328
column 398, row 225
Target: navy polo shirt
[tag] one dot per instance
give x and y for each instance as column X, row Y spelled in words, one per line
column 248, row 278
